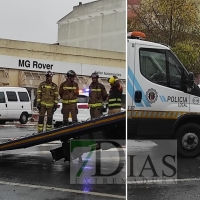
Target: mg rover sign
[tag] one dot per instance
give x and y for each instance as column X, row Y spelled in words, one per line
column 39, row 65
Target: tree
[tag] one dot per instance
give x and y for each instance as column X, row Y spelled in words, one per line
column 188, row 52
column 166, row 21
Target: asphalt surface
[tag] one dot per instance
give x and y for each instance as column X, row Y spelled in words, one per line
column 185, row 187
column 31, row 174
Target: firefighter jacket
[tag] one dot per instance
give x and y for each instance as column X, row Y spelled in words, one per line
column 69, row 92
column 115, row 97
column 97, row 94
column 47, row 94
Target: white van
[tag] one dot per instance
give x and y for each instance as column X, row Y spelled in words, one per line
column 163, row 101
column 15, row 105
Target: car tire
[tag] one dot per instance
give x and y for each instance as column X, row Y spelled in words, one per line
column 23, row 118
column 188, row 140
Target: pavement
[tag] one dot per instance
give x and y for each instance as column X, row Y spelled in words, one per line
column 17, row 124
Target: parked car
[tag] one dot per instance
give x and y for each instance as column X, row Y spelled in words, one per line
column 15, row 105
column 83, row 110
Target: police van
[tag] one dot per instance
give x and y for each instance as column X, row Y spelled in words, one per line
column 15, row 105
column 163, row 101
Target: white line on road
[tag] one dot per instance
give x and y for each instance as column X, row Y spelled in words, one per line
column 63, row 190
column 162, row 181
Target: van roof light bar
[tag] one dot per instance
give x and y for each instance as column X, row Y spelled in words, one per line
column 136, row 35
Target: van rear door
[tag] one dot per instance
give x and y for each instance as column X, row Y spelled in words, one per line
column 3, row 106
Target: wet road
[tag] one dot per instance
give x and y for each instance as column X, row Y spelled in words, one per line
column 30, row 174
column 188, row 178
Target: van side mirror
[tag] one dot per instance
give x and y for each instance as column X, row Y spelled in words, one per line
column 138, row 96
column 191, row 80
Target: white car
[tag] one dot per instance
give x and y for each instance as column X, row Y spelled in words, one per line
column 83, row 110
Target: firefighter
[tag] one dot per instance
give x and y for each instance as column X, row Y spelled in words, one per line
column 97, row 94
column 69, row 92
column 47, row 100
column 115, row 95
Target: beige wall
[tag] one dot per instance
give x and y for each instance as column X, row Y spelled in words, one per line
column 62, row 53
column 13, row 77
column 57, row 53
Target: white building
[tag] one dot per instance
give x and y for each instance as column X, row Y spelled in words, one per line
column 97, row 25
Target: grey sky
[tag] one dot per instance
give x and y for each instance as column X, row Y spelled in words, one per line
column 33, row 20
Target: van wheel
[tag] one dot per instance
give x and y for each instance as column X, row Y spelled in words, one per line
column 23, row 118
column 188, row 140
column 2, row 122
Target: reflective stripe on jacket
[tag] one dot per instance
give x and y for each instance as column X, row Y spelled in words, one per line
column 94, row 105
column 69, row 101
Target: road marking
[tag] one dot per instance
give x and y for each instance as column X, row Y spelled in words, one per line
column 63, row 190
column 167, row 181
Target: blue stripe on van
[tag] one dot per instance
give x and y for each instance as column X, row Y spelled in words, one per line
column 161, row 98
column 138, row 87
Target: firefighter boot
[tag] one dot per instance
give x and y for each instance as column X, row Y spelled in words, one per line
column 65, row 123
column 40, row 124
column 49, row 125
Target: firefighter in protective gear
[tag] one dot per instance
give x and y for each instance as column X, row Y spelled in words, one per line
column 115, row 95
column 47, row 100
column 97, row 94
column 69, row 92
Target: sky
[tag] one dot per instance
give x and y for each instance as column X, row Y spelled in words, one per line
column 33, row 20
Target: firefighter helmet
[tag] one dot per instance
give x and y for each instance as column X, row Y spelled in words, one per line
column 71, row 73
column 112, row 79
column 95, row 75
column 49, row 73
